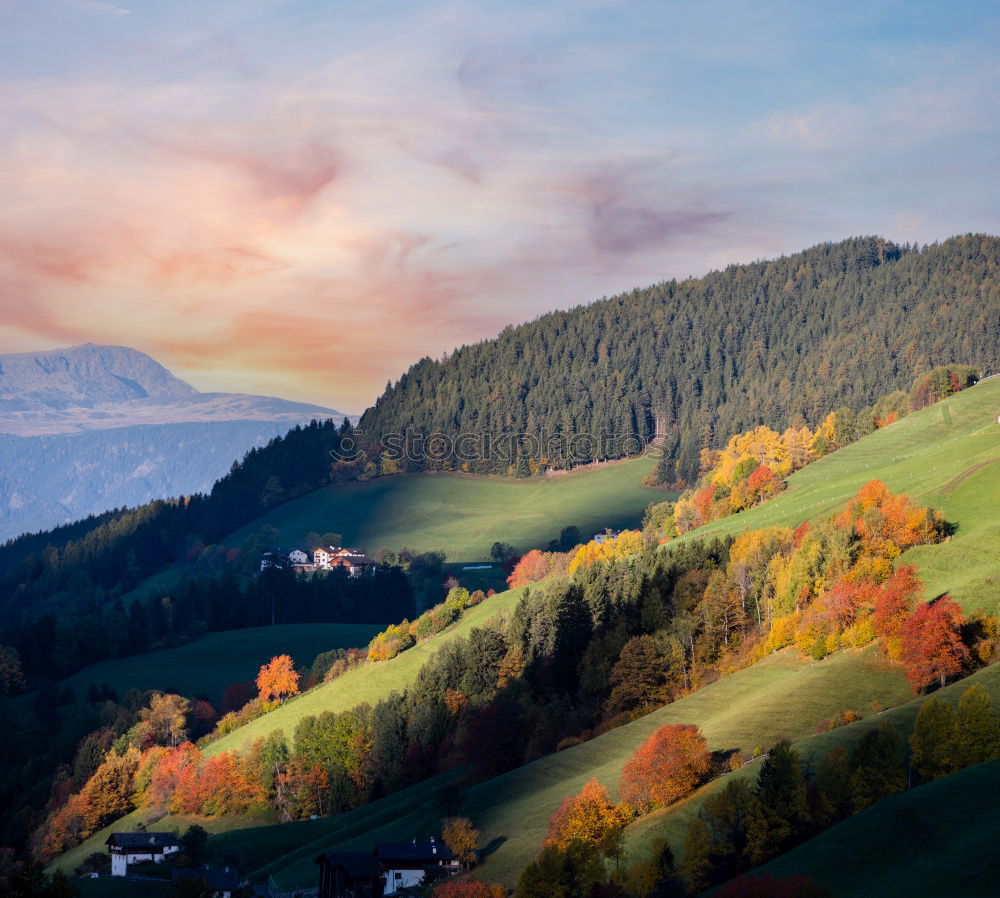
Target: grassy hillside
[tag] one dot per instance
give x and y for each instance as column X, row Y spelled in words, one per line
column 366, row 684
column 211, row 663
column 465, row 514
column 942, row 455
column 363, row 684
column 672, row 822
column 942, row 838
column 946, row 456
column 779, row 697
column 72, row 859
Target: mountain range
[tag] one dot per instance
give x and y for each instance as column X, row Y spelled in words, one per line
column 89, row 428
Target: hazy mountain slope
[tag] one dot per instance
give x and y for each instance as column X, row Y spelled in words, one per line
column 83, row 376
column 50, row 480
column 94, row 387
column 89, row 428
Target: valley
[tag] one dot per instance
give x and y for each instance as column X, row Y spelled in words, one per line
column 782, row 696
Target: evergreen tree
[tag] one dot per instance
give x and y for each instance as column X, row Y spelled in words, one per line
column 782, row 794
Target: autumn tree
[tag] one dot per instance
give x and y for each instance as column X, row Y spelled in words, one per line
column 589, row 818
column 668, row 765
column 893, row 602
column 461, row 837
column 301, row 789
column 278, row 679
column 109, row 793
column 933, row 740
column 167, row 717
column 637, row 677
column 931, row 641
column 531, row 568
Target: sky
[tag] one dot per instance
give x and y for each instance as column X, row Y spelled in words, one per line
column 304, row 198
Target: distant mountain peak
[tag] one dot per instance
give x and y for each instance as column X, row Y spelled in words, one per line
column 84, row 376
column 95, row 387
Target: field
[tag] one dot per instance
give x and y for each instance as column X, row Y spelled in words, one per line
column 946, row 456
column 208, row 665
column 462, row 514
column 942, row 838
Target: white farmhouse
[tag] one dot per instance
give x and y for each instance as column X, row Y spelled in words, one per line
column 137, row 848
column 322, row 557
column 298, row 556
column 409, row 864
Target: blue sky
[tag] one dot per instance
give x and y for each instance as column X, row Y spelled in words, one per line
column 304, row 198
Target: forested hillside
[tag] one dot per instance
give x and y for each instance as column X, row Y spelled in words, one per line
column 778, row 342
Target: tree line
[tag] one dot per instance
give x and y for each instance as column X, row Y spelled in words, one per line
column 777, row 342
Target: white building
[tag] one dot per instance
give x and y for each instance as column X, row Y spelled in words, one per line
column 408, row 864
column 138, row 848
column 298, row 556
column 322, row 557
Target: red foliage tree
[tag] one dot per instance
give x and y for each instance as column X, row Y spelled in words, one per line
column 667, row 766
column 894, row 599
column 760, row 479
column 531, row 568
column 932, row 647
column 278, row 678
column 703, row 502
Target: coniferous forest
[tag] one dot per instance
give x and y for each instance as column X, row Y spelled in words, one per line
column 777, row 342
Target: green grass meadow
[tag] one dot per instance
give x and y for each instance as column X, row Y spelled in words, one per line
column 208, row 665
column 464, row 514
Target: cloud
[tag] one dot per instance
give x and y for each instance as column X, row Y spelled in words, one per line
column 270, row 198
column 105, row 10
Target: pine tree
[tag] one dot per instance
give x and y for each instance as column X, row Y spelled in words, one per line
column 782, row 793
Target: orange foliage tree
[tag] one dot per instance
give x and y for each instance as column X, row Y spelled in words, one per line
column 532, row 567
column 667, row 766
column 590, row 818
column 109, row 793
column 278, row 679
column 932, row 647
